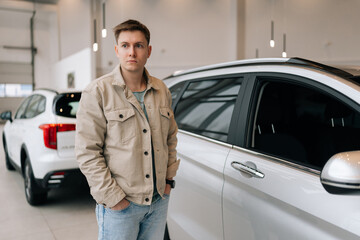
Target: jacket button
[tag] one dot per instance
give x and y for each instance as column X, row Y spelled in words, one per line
column 147, row 199
column 146, row 153
column 147, row 175
column 168, row 114
column 121, row 116
column 144, row 131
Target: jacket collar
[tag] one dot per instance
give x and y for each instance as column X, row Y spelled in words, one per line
column 119, row 80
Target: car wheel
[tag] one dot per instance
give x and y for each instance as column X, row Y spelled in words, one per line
column 8, row 164
column 35, row 195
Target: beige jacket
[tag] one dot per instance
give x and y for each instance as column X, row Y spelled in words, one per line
column 113, row 139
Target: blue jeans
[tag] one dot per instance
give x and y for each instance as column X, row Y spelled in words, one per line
column 136, row 222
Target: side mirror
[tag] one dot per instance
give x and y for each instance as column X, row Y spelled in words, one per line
column 341, row 174
column 6, row 116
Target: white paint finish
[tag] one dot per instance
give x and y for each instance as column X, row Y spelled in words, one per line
column 196, row 202
column 66, row 144
column 259, row 208
column 289, row 202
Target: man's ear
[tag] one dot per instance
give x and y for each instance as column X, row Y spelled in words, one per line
column 149, row 50
column 117, row 50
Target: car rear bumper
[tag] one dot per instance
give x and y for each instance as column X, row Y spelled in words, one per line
column 62, row 178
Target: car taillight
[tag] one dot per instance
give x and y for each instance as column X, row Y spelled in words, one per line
column 50, row 132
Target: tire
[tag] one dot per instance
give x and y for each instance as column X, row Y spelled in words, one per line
column 35, row 195
column 8, row 164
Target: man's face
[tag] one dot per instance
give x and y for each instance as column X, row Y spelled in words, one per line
column 132, row 50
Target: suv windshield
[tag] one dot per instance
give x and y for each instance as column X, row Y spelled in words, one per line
column 66, row 104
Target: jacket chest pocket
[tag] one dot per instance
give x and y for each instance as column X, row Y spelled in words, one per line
column 121, row 124
column 165, row 115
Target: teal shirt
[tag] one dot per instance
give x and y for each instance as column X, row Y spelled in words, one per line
column 140, row 97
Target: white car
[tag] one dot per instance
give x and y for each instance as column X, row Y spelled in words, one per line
column 39, row 142
column 269, row 149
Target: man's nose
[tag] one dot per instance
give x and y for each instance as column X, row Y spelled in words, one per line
column 132, row 51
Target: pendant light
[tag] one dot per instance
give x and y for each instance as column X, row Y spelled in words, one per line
column 284, row 55
column 103, row 31
column 95, row 45
column 272, row 41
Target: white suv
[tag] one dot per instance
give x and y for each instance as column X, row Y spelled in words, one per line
column 39, row 142
column 269, row 149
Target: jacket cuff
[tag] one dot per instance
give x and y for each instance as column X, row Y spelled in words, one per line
column 171, row 170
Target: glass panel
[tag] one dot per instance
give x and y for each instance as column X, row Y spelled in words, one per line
column 304, row 125
column 15, row 90
column 67, row 104
column 175, row 90
column 2, row 90
column 21, row 110
column 206, row 107
column 33, row 107
column 42, row 105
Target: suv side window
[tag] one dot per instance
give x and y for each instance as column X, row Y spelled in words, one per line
column 206, row 107
column 175, row 91
column 302, row 124
column 35, row 107
column 21, row 110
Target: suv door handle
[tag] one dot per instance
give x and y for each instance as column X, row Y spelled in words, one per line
column 249, row 168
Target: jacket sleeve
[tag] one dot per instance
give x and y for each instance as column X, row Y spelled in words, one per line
column 173, row 163
column 89, row 142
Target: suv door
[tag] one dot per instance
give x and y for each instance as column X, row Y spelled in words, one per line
column 272, row 186
column 203, row 113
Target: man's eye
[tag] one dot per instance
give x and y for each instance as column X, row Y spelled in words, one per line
column 124, row 45
column 139, row 45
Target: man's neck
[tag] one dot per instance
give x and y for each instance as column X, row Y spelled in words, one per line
column 135, row 81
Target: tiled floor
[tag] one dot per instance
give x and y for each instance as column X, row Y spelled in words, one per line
column 68, row 214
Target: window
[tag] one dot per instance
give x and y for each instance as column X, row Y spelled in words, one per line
column 36, row 106
column 302, row 124
column 206, row 107
column 66, row 105
column 15, row 90
column 175, row 91
column 21, row 110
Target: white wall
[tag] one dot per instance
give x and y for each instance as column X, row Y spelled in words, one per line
column 321, row 30
column 80, row 64
column 184, row 33
column 74, row 26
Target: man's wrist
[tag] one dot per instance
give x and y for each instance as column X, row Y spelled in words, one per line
column 170, row 182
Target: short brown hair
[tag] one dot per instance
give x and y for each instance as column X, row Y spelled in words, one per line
column 131, row 25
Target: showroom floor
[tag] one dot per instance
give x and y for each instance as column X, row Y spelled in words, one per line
column 68, row 214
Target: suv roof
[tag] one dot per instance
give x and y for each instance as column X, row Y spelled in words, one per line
column 266, row 61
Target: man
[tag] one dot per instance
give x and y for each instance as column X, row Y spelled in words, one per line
column 126, row 142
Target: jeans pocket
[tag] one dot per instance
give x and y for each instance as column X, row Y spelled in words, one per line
column 120, row 211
